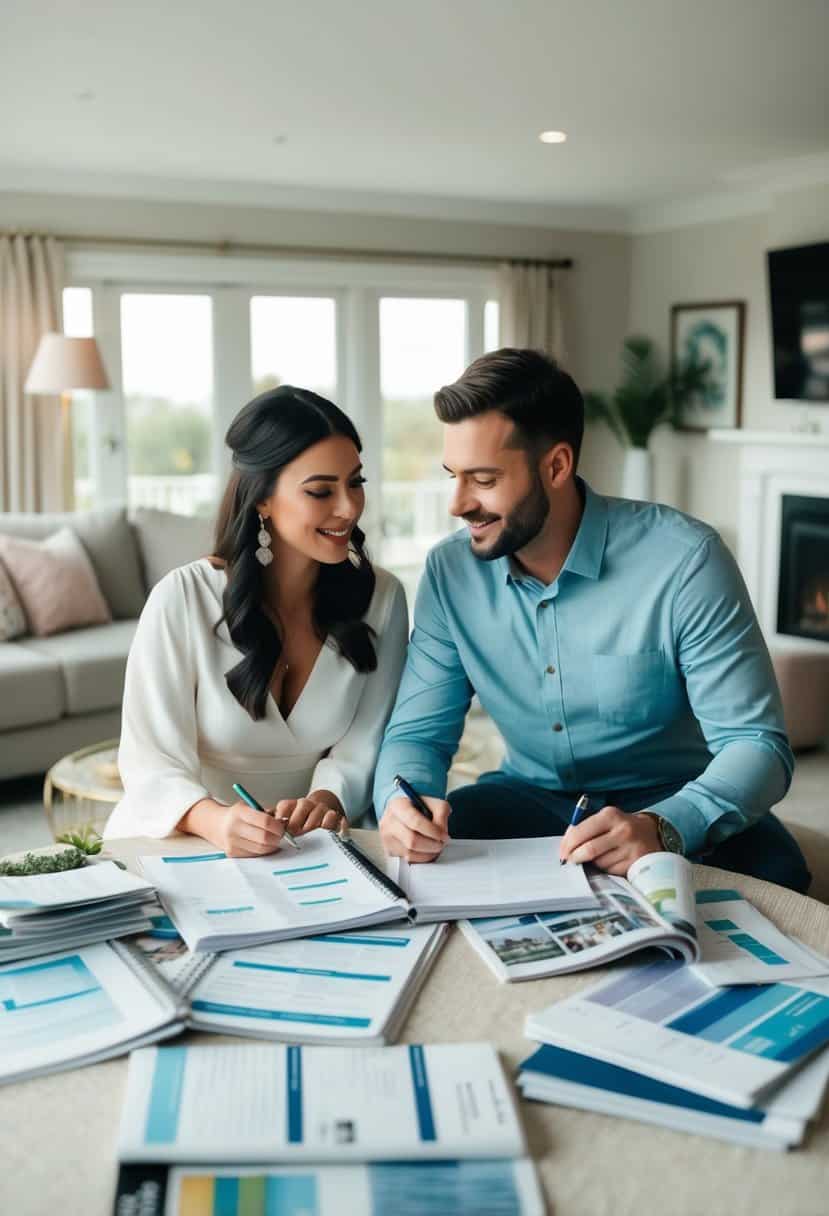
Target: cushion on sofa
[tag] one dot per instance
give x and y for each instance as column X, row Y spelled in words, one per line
column 91, row 662
column 167, row 540
column 12, row 616
column 31, row 687
column 110, row 542
column 55, row 581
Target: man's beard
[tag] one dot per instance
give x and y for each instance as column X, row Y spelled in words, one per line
column 521, row 526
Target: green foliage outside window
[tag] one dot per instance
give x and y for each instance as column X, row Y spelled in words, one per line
column 166, row 439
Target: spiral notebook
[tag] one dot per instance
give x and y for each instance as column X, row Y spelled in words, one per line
column 219, row 903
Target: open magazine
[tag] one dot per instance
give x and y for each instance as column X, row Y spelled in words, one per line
column 720, row 932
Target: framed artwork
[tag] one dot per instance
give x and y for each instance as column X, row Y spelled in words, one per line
column 711, row 333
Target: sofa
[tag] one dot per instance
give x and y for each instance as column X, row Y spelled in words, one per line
column 63, row 692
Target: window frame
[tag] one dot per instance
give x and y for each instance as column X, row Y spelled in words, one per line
column 231, row 281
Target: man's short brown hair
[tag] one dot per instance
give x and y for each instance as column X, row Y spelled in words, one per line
column 528, row 387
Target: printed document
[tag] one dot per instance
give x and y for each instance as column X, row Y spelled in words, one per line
column 733, row 1044
column 258, row 1103
column 728, row 940
column 219, row 903
column 430, row 1188
column 479, row 877
column 79, row 1006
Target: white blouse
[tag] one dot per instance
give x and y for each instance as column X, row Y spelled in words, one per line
column 185, row 737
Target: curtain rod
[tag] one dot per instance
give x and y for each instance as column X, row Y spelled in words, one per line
column 226, row 248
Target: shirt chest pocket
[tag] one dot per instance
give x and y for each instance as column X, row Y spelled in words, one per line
column 630, row 689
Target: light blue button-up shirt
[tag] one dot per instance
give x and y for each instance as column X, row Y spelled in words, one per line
column 641, row 666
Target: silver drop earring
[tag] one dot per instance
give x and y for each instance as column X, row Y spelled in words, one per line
column 263, row 553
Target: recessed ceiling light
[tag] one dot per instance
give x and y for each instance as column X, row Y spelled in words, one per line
column 553, row 137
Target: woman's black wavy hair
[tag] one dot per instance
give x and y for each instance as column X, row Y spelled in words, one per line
column 268, row 433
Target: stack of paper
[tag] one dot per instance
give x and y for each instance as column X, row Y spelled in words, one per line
column 339, row 988
column 569, row 1078
column 43, row 913
column 349, row 987
column 731, row 1044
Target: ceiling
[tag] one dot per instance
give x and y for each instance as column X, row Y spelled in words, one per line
column 429, row 103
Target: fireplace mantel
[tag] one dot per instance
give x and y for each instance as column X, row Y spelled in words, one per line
column 771, row 464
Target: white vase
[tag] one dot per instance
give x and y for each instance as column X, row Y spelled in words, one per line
column 637, row 474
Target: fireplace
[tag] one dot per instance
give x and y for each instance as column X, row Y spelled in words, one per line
column 803, row 588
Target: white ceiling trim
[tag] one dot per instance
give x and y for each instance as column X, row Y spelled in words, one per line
column 20, row 179
column 699, row 209
column 704, row 208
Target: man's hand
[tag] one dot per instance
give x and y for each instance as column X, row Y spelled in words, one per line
column 407, row 833
column 302, row 815
column 612, row 839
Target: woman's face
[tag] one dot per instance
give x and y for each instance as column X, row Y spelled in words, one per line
column 317, row 500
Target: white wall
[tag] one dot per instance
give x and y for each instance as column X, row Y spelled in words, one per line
column 724, row 260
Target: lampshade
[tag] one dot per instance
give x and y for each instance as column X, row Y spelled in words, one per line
column 62, row 363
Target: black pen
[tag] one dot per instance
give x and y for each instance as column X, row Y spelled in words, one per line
column 580, row 811
column 413, row 796
column 256, row 806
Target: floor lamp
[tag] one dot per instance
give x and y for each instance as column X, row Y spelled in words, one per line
column 60, row 365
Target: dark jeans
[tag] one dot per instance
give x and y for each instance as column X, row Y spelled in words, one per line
column 498, row 805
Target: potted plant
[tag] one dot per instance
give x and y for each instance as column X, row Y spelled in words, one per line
column 646, row 397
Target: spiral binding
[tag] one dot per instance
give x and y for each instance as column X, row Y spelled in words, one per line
column 371, row 871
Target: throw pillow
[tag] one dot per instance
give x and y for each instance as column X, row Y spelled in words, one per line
column 12, row 618
column 167, row 540
column 108, row 539
column 55, row 582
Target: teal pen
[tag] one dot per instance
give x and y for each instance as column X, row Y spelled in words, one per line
column 581, row 806
column 255, row 806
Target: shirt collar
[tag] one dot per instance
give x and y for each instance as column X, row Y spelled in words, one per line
column 587, row 549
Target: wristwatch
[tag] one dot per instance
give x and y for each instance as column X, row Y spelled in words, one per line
column 669, row 837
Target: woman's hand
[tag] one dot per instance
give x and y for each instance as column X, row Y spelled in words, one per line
column 237, row 830
column 321, row 809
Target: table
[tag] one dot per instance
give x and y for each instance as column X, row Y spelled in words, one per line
column 58, row 1133
column 88, row 785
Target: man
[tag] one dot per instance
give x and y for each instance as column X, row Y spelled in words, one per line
column 613, row 643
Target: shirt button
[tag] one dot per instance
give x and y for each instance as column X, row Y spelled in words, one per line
column 551, row 671
column 557, row 726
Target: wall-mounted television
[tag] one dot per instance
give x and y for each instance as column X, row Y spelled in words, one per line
column 799, row 293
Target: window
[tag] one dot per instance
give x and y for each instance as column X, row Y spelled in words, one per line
column 167, row 370
column 422, row 346
column 492, row 325
column 188, row 340
column 294, row 341
column 77, row 323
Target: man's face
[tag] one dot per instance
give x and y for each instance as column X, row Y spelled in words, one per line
column 500, row 498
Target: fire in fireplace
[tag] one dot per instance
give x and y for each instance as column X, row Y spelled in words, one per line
column 803, row 589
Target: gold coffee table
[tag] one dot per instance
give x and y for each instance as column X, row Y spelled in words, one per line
column 81, row 789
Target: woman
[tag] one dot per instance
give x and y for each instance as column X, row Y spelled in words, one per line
column 274, row 663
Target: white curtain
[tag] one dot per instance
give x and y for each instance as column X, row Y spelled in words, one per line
column 531, row 307
column 32, row 439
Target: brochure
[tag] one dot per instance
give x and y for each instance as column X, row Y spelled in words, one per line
column 268, row 1103
column 431, row 1188
column 336, row 988
column 569, row 1078
column 728, row 940
column 736, row 1045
